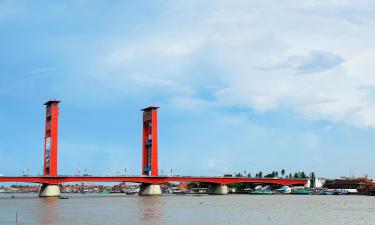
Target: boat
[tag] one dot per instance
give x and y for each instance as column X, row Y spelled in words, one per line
column 325, row 192
column 262, row 192
column 302, row 192
column 284, row 190
column 132, row 191
column 341, row 192
column 245, row 191
column 167, row 191
column 105, row 191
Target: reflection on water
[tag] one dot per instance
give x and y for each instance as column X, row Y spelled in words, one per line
column 150, row 209
column 119, row 209
column 48, row 210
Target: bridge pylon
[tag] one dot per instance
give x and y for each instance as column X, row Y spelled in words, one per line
column 50, row 148
column 150, row 150
column 150, row 141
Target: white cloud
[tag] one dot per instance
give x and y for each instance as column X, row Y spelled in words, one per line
column 264, row 48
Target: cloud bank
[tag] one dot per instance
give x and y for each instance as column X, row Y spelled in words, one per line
column 314, row 58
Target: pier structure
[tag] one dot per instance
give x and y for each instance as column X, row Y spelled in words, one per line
column 218, row 189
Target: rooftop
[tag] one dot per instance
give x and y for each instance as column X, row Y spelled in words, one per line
column 150, row 108
column 50, row 102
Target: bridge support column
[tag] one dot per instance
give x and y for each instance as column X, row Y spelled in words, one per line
column 218, row 189
column 149, row 189
column 49, row 190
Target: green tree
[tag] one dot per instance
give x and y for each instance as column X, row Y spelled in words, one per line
column 270, row 175
column 237, row 186
column 197, row 185
column 312, row 179
column 282, row 172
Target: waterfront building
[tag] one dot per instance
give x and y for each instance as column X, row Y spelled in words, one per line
column 363, row 185
column 319, row 182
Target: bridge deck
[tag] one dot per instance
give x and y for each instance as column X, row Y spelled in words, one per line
column 150, row 179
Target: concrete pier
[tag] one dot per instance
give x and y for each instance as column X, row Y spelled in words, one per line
column 149, row 189
column 217, row 189
column 49, row 190
column 308, row 184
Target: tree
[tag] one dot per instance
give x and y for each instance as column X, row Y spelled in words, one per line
column 197, row 185
column 312, row 179
column 193, row 185
column 260, row 174
column 282, row 172
column 249, row 175
column 237, row 186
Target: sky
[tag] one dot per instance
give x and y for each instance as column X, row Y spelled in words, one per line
column 242, row 85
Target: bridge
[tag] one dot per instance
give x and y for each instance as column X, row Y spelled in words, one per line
column 150, row 180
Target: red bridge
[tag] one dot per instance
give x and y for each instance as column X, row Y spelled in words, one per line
column 149, row 180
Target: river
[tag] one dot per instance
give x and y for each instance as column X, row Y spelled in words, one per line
column 121, row 209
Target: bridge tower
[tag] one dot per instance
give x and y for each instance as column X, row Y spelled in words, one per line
column 50, row 138
column 150, row 150
column 150, row 141
column 50, row 148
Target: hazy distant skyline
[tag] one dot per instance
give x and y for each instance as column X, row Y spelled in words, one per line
column 242, row 85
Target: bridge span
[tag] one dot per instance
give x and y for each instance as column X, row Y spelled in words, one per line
column 151, row 179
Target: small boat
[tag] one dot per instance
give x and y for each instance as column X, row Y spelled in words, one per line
column 105, row 191
column 262, row 192
column 302, row 192
column 326, row 192
column 63, row 197
column 132, row 191
column 167, row 191
column 247, row 190
column 284, row 190
column 341, row 192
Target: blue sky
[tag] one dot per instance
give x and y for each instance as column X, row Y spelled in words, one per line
column 242, row 85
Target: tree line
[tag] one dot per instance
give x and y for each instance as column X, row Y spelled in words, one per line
column 275, row 174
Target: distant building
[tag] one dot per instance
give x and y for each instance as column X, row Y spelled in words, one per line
column 183, row 186
column 363, row 185
column 319, row 182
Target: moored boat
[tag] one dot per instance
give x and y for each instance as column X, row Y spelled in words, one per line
column 262, row 192
column 132, row 191
column 302, row 192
